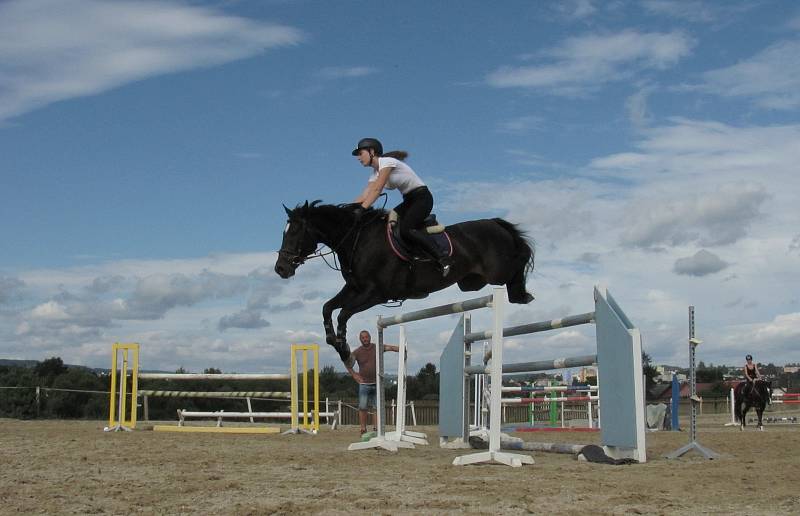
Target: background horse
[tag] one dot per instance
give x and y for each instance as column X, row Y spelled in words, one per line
column 489, row 251
column 758, row 397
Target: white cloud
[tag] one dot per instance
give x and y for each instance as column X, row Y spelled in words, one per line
column 575, row 9
column 50, row 310
column 583, row 63
column 636, row 106
column 702, row 263
column 346, row 72
column 707, row 153
column 521, row 124
column 60, row 49
column 785, row 327
column 771, row 78
column 10, row 289
column 690, row 10
column 713, row 218
column 247, row 319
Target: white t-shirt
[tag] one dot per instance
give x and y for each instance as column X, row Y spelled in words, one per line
column 402, row 177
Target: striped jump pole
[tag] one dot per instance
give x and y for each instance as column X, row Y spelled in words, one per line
column 523, row 401
column 551, row 388
column 527, row 329
column 618, row 361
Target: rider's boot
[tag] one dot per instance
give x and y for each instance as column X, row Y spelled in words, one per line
column 426, row 242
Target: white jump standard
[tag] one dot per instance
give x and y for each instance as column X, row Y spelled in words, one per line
column 402, row 438
column 619, row 362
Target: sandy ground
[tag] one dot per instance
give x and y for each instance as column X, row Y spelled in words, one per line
column 66, row 467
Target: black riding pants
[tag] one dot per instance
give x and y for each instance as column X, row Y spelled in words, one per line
column 416, row 206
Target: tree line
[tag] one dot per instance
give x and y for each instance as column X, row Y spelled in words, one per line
column 72, row 392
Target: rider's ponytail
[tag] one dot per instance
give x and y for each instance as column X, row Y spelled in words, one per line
column 397, row 154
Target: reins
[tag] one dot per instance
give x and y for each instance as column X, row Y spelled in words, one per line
column 358, row 225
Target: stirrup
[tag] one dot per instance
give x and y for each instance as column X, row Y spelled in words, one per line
column 446, row 262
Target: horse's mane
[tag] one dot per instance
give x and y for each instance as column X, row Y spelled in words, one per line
column 331, row 210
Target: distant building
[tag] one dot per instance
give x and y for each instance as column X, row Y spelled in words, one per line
column 791, row 368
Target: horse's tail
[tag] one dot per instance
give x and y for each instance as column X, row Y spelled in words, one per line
column 522, row 243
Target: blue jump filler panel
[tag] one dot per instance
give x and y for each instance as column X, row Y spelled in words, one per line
column 619, row 364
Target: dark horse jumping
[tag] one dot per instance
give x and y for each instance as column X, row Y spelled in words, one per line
column 490, row 251
column 758, row 397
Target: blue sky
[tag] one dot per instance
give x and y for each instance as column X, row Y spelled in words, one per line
column 146, row 148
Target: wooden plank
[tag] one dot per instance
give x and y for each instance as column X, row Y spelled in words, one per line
column 218, row 430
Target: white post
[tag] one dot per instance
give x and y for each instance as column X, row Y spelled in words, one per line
column 393, row 440
column 495, row 402
column 400, row 433
column 731, row 402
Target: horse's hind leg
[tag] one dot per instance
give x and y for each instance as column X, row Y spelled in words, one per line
column 516, row 288
column 471, row 283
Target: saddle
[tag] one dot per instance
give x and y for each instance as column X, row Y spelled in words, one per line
column 408, row 252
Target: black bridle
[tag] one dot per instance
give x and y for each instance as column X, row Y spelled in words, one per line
column 298, row 257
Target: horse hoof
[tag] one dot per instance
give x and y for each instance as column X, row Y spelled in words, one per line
column 522, row 300
column 343, row 349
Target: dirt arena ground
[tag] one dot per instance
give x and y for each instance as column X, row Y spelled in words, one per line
column 66, row 467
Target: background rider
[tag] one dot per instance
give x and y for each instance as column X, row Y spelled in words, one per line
column 751, row 373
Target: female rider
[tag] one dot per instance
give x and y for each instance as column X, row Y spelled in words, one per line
column 391, row 172
column 751, row 374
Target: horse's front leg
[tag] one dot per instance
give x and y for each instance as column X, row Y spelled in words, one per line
column 760, row 412
column 363, row 300
column 332, row 304
column 743, row 417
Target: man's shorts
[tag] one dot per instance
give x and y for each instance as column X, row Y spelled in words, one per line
column 366, row 395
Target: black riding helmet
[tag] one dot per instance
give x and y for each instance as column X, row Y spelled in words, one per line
column 749, row 357
column 369, row 143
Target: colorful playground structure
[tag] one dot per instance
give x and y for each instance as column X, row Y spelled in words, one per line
column 125, row 392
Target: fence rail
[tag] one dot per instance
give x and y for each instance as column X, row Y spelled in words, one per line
column 426, row 411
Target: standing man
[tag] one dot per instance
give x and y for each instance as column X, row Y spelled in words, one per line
column 365, row 377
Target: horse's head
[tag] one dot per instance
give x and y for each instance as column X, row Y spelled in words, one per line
column 764, row 388
column 299, row 240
